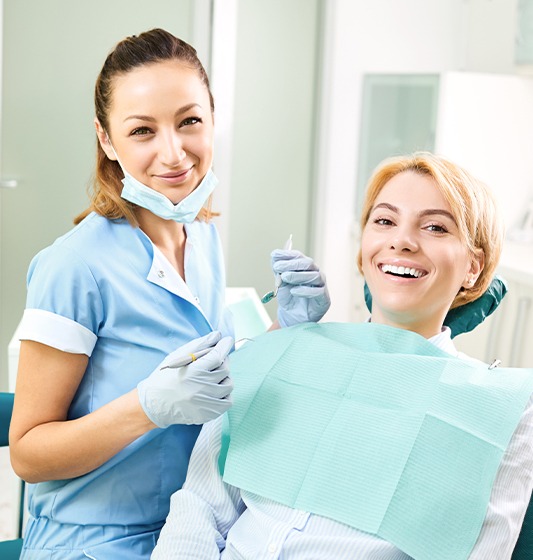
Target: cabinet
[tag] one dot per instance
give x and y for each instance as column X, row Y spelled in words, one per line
column 483, row 122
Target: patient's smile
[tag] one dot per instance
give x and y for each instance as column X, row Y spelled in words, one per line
column 403, row 271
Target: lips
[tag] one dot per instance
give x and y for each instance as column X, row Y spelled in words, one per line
column 175, row 178
column 174, row 174
column 402, row 271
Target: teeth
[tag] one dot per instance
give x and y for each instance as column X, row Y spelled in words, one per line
column 401, row 270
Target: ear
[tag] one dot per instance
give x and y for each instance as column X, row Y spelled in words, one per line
column 103, row 138
column 476, row 266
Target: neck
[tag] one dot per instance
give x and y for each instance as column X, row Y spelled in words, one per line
column 167, row 235
column 426, row 328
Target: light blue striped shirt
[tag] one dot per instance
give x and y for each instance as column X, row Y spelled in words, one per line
column 209, row 519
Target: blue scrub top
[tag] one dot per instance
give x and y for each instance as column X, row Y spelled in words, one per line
column 105, row 290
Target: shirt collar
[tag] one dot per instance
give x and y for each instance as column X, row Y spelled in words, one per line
column 443, row 341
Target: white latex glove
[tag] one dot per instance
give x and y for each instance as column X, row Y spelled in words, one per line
column 303, row 295
column 192, row 394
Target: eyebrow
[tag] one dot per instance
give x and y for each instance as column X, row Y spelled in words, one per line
column 422, row 213
column 179, row 112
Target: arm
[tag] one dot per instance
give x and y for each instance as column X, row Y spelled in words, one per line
column 510, row 495
column 44, row 445
column 204, row 510
column 40, row 432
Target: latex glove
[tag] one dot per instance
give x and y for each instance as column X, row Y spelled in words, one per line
column 192, row 394
column 303, row 295
column 467, row 317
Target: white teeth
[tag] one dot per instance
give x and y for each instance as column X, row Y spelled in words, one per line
column 401, row 270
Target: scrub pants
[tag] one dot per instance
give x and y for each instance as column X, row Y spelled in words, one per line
column 47, row 540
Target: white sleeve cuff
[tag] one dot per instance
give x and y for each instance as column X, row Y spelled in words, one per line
column 56, row 331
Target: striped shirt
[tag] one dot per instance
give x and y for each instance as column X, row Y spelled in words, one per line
column 209, row 519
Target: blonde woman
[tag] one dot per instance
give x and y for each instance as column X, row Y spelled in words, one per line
column 373, row 441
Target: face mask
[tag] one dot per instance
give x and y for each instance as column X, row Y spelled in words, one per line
column 183, row 212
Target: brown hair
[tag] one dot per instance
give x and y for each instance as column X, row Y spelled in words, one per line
column 472, row 203
column 150, row 47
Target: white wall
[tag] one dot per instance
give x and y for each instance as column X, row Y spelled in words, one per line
column 415, row 36
column 479, row 129
column 490, row 38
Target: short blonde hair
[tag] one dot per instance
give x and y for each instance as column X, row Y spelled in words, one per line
column 472, row 204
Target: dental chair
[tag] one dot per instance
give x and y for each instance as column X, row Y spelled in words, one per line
column 524, row 546
column 10, row 550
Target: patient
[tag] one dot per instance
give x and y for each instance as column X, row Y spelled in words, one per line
column 373, row 441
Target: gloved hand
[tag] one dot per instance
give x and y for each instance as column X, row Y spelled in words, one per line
column 303, row 295
column 191, row 394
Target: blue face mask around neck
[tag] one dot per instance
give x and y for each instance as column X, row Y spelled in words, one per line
column 184, row 212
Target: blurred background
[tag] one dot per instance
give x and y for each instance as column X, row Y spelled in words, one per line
column 310, row 95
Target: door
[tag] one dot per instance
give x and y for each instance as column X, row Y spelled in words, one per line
column 52, row 53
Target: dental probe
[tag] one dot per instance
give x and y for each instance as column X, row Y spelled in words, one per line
column 188, row 359
column 277, row 281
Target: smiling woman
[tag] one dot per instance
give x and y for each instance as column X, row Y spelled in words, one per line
column 125, row 328
column 454, row 198
column 421, row 215
column 161, row 128
column 381, row 440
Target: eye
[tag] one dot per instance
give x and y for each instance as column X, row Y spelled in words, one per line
column 383, row 222
column 190, row 121
column 141, row 131
column 436, row 228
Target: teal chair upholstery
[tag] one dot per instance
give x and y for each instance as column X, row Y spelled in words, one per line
column 10, row 550
column 524, row 546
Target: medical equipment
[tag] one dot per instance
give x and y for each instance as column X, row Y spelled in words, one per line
column 184, row 212
column 277, row 282
column 192, row 357
column 188, row 359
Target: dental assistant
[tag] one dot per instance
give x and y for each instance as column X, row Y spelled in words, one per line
column 103, row 425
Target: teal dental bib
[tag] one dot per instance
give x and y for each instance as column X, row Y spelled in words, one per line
column 374, row 427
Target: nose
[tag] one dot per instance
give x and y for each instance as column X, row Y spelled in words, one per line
column 404, row 239
column 171, row 149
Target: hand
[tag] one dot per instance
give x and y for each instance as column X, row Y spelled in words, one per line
column 303, row 294
column 191, row 394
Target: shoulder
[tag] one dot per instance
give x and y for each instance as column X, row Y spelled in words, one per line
column 91, row 232
column 88, row 242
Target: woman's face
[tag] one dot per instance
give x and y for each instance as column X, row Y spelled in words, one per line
column 413, row 259
column 161, row 127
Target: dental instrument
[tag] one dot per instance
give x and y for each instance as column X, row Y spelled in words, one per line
column 277, row 282
column 188, row 359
